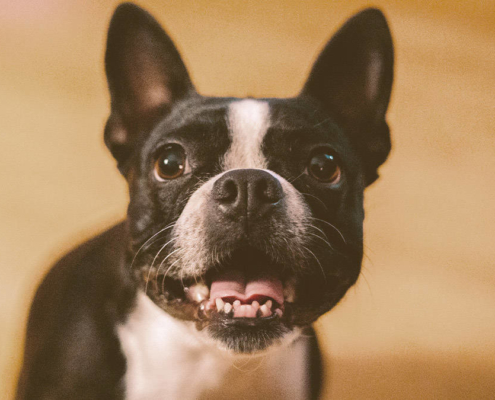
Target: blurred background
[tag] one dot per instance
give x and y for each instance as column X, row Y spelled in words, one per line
column 421, row 322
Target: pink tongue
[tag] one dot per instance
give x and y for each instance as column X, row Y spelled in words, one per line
column 234, row 284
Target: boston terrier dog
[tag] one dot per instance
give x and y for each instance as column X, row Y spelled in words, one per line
column 245, row 225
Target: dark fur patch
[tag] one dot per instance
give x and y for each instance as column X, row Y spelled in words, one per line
column 247, row 336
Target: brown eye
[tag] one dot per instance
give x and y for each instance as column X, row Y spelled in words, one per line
column 323, row 166
column 171, row 163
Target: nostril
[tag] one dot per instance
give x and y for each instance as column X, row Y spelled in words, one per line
column 268, row 191
column 228, row 191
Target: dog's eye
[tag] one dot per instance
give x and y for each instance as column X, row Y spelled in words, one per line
column 171, row 163
column 323, row 166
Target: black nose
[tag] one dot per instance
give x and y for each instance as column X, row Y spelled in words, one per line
column 252, row 193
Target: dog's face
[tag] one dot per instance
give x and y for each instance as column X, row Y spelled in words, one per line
column 246, row 215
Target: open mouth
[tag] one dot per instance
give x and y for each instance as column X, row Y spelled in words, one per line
column 249, row 301
column 237, row 294
column 248, row 290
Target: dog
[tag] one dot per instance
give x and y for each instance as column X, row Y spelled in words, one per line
column 245, row 225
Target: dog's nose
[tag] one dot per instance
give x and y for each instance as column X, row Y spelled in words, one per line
column 252, row 193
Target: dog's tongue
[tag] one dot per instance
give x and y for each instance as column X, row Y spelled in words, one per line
column 235, row 284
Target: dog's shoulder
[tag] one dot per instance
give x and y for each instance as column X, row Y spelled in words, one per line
column 80, row 278
column 76, row 308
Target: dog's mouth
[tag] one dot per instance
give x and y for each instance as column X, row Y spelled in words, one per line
column 249, row 301
column 247, row 290
column 236, row 294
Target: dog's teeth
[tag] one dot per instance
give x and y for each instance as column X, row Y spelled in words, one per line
column 269, row 304
column 227, row 308
column 255, row 305
column 237, row 304
column 198, row 292
column 243, row 310
column 220, row 304
column 239, row 312
column 279, row 312
column 265, row 311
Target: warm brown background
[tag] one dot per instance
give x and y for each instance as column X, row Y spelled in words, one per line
column 421, row 323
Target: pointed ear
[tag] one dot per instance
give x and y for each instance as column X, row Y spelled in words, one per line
column 352, row 79
column 145, row 77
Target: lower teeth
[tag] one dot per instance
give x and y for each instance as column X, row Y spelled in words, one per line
column 253, row 310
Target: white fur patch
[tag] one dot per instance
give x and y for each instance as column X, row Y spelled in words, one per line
column 190, row 233
column 154, row 346
column 168, row 359
column 297, row 210
column 248, row 121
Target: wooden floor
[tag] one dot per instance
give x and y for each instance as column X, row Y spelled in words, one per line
column 421, row 322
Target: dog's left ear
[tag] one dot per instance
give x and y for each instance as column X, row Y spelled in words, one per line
column 352, row 78
column 146, row 76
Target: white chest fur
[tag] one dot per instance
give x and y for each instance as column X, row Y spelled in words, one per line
column 167, row 360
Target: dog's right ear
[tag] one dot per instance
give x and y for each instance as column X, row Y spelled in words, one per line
column 145, row 77
column 352, row 79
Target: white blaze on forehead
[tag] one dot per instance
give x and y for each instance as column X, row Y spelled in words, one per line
column 248, row 121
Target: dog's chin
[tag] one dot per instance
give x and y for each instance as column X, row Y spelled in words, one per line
column 244, row 336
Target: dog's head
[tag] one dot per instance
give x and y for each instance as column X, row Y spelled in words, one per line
column 246, row 215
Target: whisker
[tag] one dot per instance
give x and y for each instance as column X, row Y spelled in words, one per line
column 297, row 177
column 318, row 261
column 182, row 278
column 322, row 122
column 165, row 259
column 367, row 248
column 368, row 258
column 321, row 201
column 171, row 225
column 152, row 243
column 366, row 279
column 166, row 273
column 151, row 266
column 318, row 229
column 323, row 240
column 332, row 226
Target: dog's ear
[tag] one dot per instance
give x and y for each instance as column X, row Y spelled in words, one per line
column 145, row 77
column 352, row 78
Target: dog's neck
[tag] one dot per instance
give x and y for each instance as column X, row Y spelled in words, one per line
column 165, row 357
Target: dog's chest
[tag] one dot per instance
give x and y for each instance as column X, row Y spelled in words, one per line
column 165, row 361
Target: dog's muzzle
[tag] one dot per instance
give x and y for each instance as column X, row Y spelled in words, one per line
column 241, row 264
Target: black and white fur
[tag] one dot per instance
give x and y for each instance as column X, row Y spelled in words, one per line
column 102, row 326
